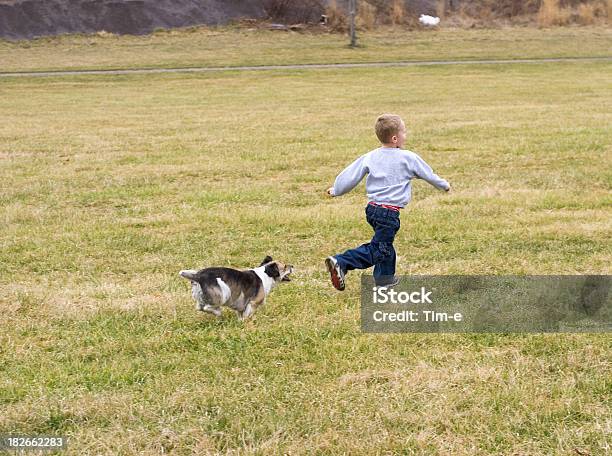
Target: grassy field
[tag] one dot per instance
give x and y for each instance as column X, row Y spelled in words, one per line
column 242, row 46
column 109, row 185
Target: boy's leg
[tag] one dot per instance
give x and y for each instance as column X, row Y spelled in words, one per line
column 384, row 272
column 379, row 252
column 386, row 223
column 364, row 256
column 357, row 258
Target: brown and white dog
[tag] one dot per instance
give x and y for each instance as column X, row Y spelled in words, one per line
column 242, row 291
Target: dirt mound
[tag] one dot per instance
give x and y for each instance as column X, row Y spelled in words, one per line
column 31, row 18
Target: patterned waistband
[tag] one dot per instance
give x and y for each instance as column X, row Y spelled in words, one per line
column 386, row 206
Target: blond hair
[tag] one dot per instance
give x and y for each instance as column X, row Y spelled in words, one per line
column 386, row 126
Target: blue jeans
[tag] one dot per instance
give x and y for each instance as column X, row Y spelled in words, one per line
column 379, row 252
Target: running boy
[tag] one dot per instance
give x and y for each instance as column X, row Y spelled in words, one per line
column 390, row 170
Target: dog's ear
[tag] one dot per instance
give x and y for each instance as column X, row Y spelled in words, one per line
column 267, row 259
column 272, row 270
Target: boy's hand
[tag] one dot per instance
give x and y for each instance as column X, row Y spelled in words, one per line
column 330, row 191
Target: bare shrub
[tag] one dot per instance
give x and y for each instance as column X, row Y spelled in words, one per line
column 586, row 13
column 566, row 16
column 336, row 17
column 501, row 8
column 366, row 16
column 608, row 6
column 486, row 14
column 397, row 12
column 441, row 9
column 549, row 12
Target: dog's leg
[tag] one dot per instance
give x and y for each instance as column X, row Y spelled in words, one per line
column 247, row 312
column 213, row 310
column 250, row 308
column 198, row 296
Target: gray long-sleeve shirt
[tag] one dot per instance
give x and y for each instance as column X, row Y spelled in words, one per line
column 390, row 172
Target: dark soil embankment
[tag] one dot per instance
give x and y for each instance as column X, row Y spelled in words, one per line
column 31, row 18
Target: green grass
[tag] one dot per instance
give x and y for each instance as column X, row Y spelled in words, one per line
column 241, row 46
column 110, row 185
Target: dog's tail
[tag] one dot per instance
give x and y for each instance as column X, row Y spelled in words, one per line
column 189, row 274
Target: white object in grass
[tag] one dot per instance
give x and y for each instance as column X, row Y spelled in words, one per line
column 429, row 20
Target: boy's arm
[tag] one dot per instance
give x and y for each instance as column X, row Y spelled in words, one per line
column 424, row 171
column 349, row 178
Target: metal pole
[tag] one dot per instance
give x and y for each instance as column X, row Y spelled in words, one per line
column 352, row 14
